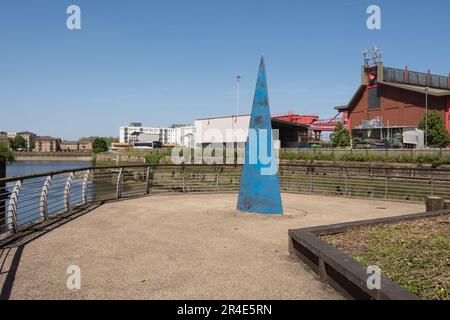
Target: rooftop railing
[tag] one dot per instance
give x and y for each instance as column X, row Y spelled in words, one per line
column 415, row 78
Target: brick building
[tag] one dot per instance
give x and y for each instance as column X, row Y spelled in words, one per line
column 69, row 146
column 47, row 144
column 390, row 101
column 85, row 145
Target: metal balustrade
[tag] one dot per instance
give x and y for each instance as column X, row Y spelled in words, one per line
column 28, row 200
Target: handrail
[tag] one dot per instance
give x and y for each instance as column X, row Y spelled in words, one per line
column 30, row 200
column 284, row 164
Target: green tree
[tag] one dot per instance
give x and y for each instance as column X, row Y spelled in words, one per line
column 436, row 133
column 6, row 153
column 340, row 136
column 99, row 145
column 109, row 140
column 17, row 143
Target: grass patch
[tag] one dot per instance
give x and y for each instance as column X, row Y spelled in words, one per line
column 436, row 159
column 414, row 254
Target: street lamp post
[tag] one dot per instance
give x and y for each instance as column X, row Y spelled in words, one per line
column 426, row 117
column 238, row 77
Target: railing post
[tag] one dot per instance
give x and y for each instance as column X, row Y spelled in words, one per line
column 119, row 184
column 310, row 172
column 44, row 196
column 67, row 188
column 346, row 181
column 432, row 183
column 11, row 220
column 148, row 179
column 184, row 178
column 84, row 190
column 217, row 178
column 385, row 183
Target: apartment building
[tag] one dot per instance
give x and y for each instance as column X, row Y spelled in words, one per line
column 166, row 135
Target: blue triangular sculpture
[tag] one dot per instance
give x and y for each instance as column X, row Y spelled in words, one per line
column 259, row 187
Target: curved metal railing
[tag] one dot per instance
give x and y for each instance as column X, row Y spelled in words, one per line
column 31, row 199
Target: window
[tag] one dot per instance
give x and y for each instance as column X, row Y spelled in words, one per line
column 374, row 98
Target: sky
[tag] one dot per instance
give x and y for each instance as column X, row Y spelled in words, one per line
column 166, row 62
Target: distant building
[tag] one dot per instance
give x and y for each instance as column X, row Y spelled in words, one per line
column 85, row 145
column 139, row 140
column 69, row 146
column 234, row 130
column 3, row 135
column 29, row 137
column 147, row 137
column 390, row 101
column 184, row 135
column 11, row 135
column 166, row 135
column 47, row 144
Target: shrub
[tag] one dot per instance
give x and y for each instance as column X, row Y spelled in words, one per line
column 340, row 136
column 436, row 132
column 153, row 157
column 6, row 153
column 99, row 145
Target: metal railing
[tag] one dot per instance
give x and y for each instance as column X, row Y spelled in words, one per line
column 383, row 152
column 27, row 200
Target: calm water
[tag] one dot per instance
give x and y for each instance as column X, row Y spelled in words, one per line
column 20, row 168
column 29, row 197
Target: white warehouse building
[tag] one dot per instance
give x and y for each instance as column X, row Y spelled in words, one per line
column 229, row 129
column 234, row 129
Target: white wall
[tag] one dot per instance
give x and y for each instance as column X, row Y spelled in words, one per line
column 222, row 130
column 184, row 136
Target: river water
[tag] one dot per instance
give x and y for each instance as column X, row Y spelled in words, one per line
column 20, row 168
column 29, row 196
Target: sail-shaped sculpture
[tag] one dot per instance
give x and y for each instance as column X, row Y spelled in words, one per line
column 259, row 186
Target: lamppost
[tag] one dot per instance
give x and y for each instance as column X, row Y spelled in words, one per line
column 238, row 77
column 426, row 117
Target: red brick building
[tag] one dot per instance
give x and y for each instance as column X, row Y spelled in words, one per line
column 392, row 99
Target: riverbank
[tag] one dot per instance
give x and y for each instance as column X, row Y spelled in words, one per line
column 47, row 158
column 53, row 156
column 24, row 167
column 356, row 158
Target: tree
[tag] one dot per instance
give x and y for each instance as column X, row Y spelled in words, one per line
column 99, row 145
column 5, row 152
column 109, row 140
column 340, row 136
column 434, row 128
column 18, row 143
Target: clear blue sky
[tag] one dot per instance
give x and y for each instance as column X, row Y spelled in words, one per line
column 164, row 62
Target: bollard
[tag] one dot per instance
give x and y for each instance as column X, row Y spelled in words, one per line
column 434, row 204
column 446, row 204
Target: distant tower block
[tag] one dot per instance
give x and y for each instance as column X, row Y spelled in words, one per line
column 259, row 189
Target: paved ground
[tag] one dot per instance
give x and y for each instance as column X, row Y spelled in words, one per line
column 181, row 247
